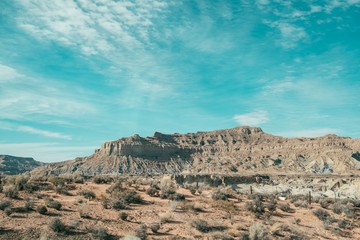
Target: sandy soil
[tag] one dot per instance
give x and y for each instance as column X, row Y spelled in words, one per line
column 32, row 225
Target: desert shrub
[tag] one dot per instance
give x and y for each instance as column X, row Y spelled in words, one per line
column 118, row 204
column 29, row 204
column 153, row 192
column 285, row 207
column 123, row 216
column 325, row 202
column 87, row 193
column 62, row 189
column 11, row 191
column 105, row 202
column 258, row 232
column 321, row 214
column 140, row 232
column 179, row 197
column 301, row 203
column 227, row 206
column 129, row 237
column 190, row 206
column 155, row 227
column 57, row 181
column 74, row 223
column 56, row 225
column 8, row 211
column 102, row 179
column 337, row 207
column 218, row 195
column 31, row 187
column 165, row 217
column 167, row 188
column 98, row 233
column 1, row 188
column 19, row 181
column 115, row 188
column 271, row 206
column 256, row 206
column 79, row 179
column 41, row 209
column 344, row 224
column 192, row 190
column 340, row 207
column 4, row 204
column 277, row 227
column 130, row 197
column 84, row 211
column 201, row 225
column 53, row 204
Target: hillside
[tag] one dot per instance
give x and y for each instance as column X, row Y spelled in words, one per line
column 10, row 165
column 240, row 150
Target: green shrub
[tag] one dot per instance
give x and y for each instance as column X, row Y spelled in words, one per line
column 258, row 232
column 8, row 211
column 57, row 225
column 155, row 227
column 118, row 204
column 140, row 232
column 153, row 192
column 4, row 204
column 54, row 204
column 87, row 193
column 201, row 225
column 41, row 209
column 102, row 179
column 123, row 216
column 285, row 207
column 11, row 191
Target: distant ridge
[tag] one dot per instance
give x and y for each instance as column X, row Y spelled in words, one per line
column 239, row 150
column 11, row 165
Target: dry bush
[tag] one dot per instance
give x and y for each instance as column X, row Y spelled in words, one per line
column 51, row 203
column 190, row 206
column 102, row 179
column 344, row 207
column 167, row 188
column 277, row 227
column 84, row 211
column 344, row 224
column 4, row 204
column 56, row 225
column 155, row 227
column 129, row 237
column 118, row 204
column 221, row 236
column 123, row 216
column 285, row 207
column 140, row 232
column 256, row 206
column 301, row 203
column 219, row 195
column 153, row 192
column 11, row 191
column 321, row 214
column 165, row 217
column 29, row 204
column 87, row 193
column 56, row 180
column 98, row 232
column 258, row 232
column 325, row 202
column 201, row 225
column 271, row 206
column 227, row 206
column 62, row 189
column 8, row 211
column 41, row 209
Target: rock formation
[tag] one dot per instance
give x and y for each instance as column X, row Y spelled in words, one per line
column 10, row 165
column 240, row 150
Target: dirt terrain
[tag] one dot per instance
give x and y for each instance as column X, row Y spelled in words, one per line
column 228, row 218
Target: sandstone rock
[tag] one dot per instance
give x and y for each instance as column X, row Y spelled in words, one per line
column 240, row 150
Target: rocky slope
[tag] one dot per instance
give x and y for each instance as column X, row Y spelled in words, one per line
column 240, row 150
column 10, row 165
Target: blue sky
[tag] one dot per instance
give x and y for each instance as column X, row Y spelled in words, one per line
column 76, row 73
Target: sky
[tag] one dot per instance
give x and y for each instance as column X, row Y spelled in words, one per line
column 77, row 73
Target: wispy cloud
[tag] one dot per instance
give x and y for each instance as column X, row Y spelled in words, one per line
column 27, row 129
column 46, row 152
column 8, row 74
column 252, row 119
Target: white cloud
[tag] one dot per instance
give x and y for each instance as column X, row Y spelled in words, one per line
column 311, row 132
column 252, row 119
column 8, row 74
column 291, row 34
column 19, row 128
column 277, row 87
column 46, row 152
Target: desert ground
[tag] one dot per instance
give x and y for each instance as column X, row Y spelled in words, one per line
column 148, row 207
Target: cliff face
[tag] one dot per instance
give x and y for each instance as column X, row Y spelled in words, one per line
column 10, row 165
column 237, row 150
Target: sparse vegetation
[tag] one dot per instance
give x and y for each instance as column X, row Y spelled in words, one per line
column 57, row 225
column 155, row 227
column 4, row 204
column 41, row 209
column 87, row 193
column 11, row 191
column 200, row 224
column 285, row 207
column 123, row 216
column 140, row 232
column 258, row 232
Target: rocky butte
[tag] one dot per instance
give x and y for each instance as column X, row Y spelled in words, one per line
column 10, row 165
column 239, row 150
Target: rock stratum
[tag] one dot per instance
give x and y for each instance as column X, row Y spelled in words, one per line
column 10, row 165
column 239, row 150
